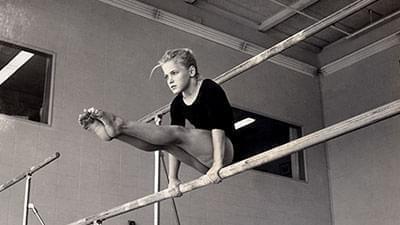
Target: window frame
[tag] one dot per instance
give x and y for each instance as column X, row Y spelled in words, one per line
column 295, row 131
column 49, row 81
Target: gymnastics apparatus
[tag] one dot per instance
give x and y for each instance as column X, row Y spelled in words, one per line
column 28, row 175
column 323, row 135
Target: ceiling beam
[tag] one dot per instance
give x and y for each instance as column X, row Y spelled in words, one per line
column 207, row 6
column 367, row 51
column 208, row 33
column 284, row 14
column 227, row 14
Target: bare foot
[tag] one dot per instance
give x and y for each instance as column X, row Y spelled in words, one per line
column 93, row 125
column 85, row 119
column 112, row 123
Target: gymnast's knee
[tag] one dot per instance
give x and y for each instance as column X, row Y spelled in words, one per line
column 177, row 134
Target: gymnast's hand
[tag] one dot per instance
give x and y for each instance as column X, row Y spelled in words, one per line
column 213, row 173
column 174, row 185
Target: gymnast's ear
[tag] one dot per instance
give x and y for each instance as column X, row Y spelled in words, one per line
column 192, row 71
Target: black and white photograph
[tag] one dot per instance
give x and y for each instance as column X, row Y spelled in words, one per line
column 199, row 112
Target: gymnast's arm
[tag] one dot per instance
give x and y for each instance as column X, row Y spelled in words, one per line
column 173, row 168
column 218, row 143
column 173, row 163
column 218, row 108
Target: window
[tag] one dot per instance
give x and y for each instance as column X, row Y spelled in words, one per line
column 25, row 78
column 257, row 133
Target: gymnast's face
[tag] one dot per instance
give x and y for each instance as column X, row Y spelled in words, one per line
column 177, row 76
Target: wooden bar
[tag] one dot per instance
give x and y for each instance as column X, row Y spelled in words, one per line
column 30, row 171
column 278, row 48
column 336, row 130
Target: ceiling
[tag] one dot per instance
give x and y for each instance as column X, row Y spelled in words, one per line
column 265, row 22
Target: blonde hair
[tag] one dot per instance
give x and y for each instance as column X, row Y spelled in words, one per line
column 184, row 56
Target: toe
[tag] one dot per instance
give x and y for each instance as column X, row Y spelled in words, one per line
column 91, row 110
column 82, row 118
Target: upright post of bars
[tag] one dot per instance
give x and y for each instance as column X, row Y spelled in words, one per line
column 158, row 158
column 156, row 186
column 26, row 199
column 178, row 221
column 157, row 180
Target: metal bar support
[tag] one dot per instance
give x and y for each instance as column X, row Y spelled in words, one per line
column 35, row 211
column 158, row 155
column 26, row 199
column 156, row 186
column 157, row 178
column 178, row 222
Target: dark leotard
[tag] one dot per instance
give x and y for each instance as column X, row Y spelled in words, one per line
column 210, row 110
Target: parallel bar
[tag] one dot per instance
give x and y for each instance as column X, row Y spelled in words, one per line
column 278, row 48
column 336, row 130
column 31, row 171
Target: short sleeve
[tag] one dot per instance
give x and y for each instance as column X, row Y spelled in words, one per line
column 176, row 113
column 218, row 107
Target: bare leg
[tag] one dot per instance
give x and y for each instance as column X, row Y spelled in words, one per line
column 191, row 146
column 178, row 152
column 150, row 133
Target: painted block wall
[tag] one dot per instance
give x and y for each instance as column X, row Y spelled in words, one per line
column 103, row 59
column 363, row 166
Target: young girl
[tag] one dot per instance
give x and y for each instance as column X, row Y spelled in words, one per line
column 207, row 147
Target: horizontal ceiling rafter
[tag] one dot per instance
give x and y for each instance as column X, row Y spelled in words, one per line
column 208, row 33
column 284, row 14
